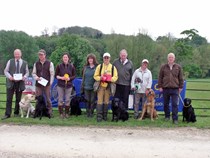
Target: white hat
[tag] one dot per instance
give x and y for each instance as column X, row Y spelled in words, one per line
column 106, row 55
column 145, row 60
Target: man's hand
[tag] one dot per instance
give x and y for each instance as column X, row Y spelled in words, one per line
column 160, row 89
column 38, row 79
column 133, row 89
column 24, row 78
column 11, row 78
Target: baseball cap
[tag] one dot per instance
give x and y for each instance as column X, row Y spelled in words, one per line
column 145, row 60
column 42, row 51
column 106, row 55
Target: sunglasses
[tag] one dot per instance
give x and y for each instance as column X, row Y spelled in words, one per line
column 106, row 57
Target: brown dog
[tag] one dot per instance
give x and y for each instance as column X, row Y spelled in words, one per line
column 149, row 106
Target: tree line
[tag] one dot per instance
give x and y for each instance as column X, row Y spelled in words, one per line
column 192, row 52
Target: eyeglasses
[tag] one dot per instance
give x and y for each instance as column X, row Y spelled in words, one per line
column 106, row 57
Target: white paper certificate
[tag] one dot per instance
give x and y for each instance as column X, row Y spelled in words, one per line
column 43, row 81
column 18, row 77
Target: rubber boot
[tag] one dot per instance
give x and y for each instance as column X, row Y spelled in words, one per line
column 99, row 109
column 60, row 110
column 88, row 109
column 67, row 108
column 92, row 107
column 105, row 112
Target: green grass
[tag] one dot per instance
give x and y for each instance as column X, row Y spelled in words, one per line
column 202, row 120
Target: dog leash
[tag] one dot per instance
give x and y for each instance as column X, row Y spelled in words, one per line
column 22, row 102
column 76, row 94
column 183, row 101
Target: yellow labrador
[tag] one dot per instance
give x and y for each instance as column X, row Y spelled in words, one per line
column 26, row 106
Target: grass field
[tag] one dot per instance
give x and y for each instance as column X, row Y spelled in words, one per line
column 203, row 115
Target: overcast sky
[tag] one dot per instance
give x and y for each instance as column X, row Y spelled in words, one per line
column 154, row 17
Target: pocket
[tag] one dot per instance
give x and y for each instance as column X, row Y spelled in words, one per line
column 96, row 86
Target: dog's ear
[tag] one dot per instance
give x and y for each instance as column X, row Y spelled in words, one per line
column 26, row 97
column 153, row 93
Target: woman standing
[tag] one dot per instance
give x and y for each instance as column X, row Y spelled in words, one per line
column 105, row 73
column 65, row 73
column 88, row 81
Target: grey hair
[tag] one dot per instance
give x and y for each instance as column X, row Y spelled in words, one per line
column 124, row 51
column 17, row 50
column 171, row 54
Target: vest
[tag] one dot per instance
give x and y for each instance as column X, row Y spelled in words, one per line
column 12, row 69
column 65, row 69
column 43, row 70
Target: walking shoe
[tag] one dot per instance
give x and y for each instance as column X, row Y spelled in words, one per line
column 136, row 116
column 62, row 116
column 5, row 117
column 16, row 115
column 175, row 122
column 167, row 119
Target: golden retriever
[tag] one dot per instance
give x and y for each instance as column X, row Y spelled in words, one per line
column 26, row 106
column 149, row 106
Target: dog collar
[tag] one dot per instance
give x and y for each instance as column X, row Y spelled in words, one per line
column 186, row 106
column 23, row 103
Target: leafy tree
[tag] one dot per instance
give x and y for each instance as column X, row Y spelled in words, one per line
column 77, row 47
column 193, row 71
column 115, row 43
column 189, row 33
column 11, row 40
column 49, row 44
column 194, row 38
column 198, row 41
column 188, row 53
column 200, row 58
column 82, row 31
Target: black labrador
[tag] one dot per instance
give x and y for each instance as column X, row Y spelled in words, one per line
column 41, row 108
column 119, row 111
column 188, row 111
column 75, row 108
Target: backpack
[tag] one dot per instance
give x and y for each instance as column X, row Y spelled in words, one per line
column 102, row 67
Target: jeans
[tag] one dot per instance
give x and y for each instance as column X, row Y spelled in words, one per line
column 173, row 94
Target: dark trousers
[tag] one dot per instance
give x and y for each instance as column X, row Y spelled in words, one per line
column 46, row 92
column 122, row 92
column 172, row 94
column 90, row 96
column 10, row 92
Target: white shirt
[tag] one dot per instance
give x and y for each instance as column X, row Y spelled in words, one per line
column 6, row 70
column 146, row 78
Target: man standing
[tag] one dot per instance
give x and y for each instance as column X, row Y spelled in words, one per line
column 141, row 83
column 16, row 72
column 170, row 82
column 43, row 70
column 125, row 70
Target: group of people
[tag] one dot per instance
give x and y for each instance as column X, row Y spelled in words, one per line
column 119, row 73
